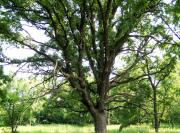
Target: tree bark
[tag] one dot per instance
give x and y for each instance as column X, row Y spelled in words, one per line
column 100, row 123
column 156, row 123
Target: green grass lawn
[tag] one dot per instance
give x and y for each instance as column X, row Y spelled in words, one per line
column 88, row 129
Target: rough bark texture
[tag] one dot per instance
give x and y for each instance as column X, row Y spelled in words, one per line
column 100, row 122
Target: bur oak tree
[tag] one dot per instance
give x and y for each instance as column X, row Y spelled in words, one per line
column 86, row 37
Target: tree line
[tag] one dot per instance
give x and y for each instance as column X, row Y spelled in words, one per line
column 21, row 104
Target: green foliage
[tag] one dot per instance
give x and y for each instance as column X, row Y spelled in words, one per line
column 15, row 103
column 57, row 109
column 133, row 108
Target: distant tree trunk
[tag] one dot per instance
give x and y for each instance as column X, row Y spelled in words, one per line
column 12, row 129
column 156, row 123
column 100, row 123
column 11, row 118
column 108, row 118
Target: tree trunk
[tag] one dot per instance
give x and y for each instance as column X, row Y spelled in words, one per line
column 156, row 123
column 100, row 122
column 12, row 128
column 108, row 118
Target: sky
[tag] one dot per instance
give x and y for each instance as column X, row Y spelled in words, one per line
column 22, row 53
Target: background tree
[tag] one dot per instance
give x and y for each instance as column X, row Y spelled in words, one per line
column 154, row 81
column 4, row 79
column 133, row 107
column 171, row 86
column 85, row 37
column 64, row 107
column 15, row 103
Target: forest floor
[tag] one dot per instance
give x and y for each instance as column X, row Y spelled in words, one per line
column 60, row 128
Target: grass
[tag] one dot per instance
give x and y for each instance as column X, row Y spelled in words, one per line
column 60, row 128
column 148, row 129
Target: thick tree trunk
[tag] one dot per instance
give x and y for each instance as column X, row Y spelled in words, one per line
column 100, row 122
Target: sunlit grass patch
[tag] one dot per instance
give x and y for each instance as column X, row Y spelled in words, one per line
column 136, row 129
column 63, row 129
column 167, row 130
column 148, row 129
column 66, row 128
column 55, row 129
